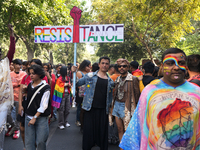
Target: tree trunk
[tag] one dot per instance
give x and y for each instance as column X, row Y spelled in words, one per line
column 51, row 57
column 143, row 42
column 149, row 52
column 30, row 52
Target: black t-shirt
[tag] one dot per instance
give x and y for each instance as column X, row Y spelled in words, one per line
column 147, row 79
column 100, row 93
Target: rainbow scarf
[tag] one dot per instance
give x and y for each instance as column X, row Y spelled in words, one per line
column 58, row 93
column 175, row 59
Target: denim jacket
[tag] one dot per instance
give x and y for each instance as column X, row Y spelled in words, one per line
column 90, row 81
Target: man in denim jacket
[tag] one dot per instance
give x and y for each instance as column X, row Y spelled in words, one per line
column 96, row 103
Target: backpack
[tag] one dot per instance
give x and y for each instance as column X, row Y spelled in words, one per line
column 81, row 88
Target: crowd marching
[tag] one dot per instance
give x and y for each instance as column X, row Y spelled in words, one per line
column 138, row 107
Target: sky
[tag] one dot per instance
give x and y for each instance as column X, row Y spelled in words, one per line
column 88, row 47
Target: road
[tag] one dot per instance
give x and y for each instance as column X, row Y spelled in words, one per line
column 67, row 139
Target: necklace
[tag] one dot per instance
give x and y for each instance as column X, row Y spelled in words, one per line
column 121, row 88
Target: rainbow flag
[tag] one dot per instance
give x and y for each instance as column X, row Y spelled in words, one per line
column 137, row 73
column 58, row 93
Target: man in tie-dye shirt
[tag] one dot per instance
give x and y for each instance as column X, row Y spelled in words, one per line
column 167, row 116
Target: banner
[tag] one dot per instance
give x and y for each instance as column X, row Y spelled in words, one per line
column 87, row 34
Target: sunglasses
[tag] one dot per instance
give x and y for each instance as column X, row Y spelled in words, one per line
column 124, row 66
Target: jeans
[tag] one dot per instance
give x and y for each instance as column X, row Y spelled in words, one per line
column 2, row 136
column 36, row 134
column 55, row 112
column 90, row 81
column 17, row 123
column 118, row 109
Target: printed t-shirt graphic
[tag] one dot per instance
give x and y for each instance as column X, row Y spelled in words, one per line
column 166, row 118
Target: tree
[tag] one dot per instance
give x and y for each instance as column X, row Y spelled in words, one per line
column 190, row 43
column 25, row 14
column 172, row 19
column 128, row 49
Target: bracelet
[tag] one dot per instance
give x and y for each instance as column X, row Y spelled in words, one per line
column 35, row 117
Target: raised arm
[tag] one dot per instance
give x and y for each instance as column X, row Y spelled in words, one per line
column 12, row 44
column 81, row 81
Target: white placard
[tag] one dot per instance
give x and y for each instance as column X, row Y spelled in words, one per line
column 87, row 33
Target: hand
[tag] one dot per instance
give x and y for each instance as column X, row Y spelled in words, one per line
column 47, row 74
column 20, row 109
column 140, row 77
column 24, row 88
column 73, row 68
column 66, row 84
column 32, row 122
column 76, row 14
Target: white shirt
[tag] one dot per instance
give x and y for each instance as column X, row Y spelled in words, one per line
column 44, row 101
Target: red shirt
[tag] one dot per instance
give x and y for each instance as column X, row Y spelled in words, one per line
column 26, row 80
column 196, row 77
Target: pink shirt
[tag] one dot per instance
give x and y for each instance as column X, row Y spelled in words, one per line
column 16, row 80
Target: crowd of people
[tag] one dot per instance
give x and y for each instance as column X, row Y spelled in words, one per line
column 137, row 107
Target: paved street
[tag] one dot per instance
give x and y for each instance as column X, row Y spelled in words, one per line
column 67, row 139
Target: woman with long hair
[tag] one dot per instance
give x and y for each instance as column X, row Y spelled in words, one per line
column 61, row 97
column 51, row 79
column 84, row 68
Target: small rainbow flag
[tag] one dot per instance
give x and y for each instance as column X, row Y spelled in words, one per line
column 137, row 73
column 58, row 93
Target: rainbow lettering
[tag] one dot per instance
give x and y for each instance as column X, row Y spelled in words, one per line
column 87, row 33
column 59, row 34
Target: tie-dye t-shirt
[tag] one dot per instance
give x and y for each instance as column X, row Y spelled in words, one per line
column 166, row 118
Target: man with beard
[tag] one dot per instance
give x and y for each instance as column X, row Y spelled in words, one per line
column 6, row 96
column 126, row 96
column 167, row 115
column 96, row 103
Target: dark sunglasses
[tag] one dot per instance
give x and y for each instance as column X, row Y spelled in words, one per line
column 124, row 66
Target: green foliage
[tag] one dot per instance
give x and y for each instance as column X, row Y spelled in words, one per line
column 157, row 23
column 25, row 14
column 128, row 49
column 190, row 43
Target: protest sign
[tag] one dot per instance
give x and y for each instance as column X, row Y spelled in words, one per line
column 87, row 34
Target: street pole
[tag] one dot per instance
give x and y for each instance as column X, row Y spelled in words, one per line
column 74, row 74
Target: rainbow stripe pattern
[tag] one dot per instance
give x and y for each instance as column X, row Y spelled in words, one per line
column 58, row 93
column 165, row 118
column 175, row 59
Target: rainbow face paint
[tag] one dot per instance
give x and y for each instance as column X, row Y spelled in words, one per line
column 182, row 56
column 175, row 59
